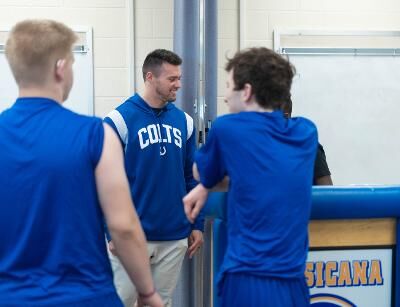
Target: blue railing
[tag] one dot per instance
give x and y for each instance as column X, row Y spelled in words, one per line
column 333, row 202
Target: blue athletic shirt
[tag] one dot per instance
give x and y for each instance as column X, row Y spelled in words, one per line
column 270, row 161
column 52, row 250
column 159, row 150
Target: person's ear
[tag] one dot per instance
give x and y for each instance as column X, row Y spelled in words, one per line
column 247, row 92
column 149, row 76
column 60, row 69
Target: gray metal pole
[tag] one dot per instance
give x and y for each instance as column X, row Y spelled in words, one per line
column 187, row 45
column 210, row 112
column 211, row 60
column 195, row 40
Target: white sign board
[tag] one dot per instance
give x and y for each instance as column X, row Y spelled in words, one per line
column 346, row 278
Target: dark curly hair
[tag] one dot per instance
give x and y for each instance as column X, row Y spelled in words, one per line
column 286, row 107
column 156, row 58
column 268, row 73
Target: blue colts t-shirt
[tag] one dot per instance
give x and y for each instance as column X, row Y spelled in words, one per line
column 269, row 160
column 52, row 249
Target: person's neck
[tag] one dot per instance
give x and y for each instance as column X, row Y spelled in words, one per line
column 153, row 100
column 253, row 106
column 41, row 92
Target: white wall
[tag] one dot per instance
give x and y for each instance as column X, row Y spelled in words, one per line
column 228, row 43
column 260, row 17
column 154, row 28
column 109, row 20
column 153, row 23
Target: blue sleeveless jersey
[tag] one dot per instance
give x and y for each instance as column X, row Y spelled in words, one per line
column 52, row 250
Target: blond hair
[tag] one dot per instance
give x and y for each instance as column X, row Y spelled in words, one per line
column 34, row 46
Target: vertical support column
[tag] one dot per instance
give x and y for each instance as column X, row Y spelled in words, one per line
column 220, row 244
column 209, row 99
column 211, row 60
column 187, row 46
column 195, row 40
column 396, row 278
column 131, row 46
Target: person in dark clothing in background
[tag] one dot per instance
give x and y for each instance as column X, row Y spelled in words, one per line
column 322, row 174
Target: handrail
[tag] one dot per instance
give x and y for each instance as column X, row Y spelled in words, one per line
column 334, row 202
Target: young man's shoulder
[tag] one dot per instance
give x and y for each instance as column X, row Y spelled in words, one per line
column 128, row 105
column 181, row 118
column 77, row 118
column 177, row 115
column 172, row 108
column 305, row 128
column 122, row 111
column 225, row 119
column 304, row 122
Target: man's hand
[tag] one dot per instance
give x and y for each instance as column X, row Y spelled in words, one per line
column 194, row 201
column 195, row 241
column 111, row 247
column 153, row 301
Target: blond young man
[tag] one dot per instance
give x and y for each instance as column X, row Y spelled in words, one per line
column 60, row 172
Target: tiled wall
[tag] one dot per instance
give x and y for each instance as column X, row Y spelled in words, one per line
column 154, row 28
column 260, row 17
column 228, row 43
column 109, row 20
column 153, row 24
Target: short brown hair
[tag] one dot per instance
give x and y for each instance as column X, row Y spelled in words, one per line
column 156, row 58
column 268, row 73
column 286, row 107
column 33, row 46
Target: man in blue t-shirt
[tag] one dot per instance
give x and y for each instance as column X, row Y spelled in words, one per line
column 269, row 162
column 60, row 173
